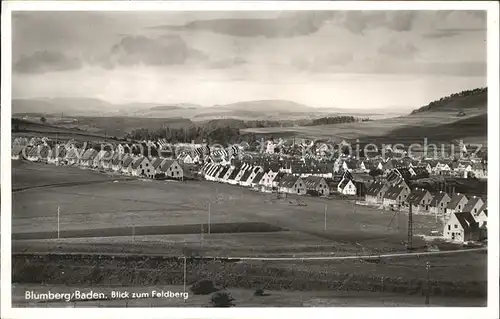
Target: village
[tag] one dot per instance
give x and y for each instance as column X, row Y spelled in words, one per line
column 387, row 184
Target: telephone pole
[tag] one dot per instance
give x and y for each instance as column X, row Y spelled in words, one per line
column 326, row 205
column 410, row 228
column 428, row 292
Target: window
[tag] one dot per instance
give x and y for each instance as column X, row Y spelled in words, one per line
column 459, row 206
column 475, row 210
column 449, row 227
column 456, row 226
column 441, row 204
column 177, row 173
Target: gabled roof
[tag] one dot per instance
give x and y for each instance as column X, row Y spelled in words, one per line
column 374, row 189
column 313, row 181
column 471, row 203
column 166, row 164
column 279, row 176
column 126, row 161
column 393, row 192
column 223, row 172
column 344, row 183
column 258, row 177
column 137, row 161
column 466, row 220
column 17, row 149
column 438, row 198
column 288, row 180
column 156, row 162
column 234, row 173
column 455, row 200
column 246, row 175
column 417, row 195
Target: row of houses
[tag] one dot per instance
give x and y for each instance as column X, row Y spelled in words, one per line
column 128, row 164
column 266, row 180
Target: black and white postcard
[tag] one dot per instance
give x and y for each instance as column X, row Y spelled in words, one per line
column 258, row 155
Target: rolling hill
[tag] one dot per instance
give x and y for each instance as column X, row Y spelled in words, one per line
column 460, row 116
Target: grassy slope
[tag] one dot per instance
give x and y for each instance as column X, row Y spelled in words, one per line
column 440, row 124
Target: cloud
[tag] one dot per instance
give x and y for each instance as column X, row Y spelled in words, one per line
column 328, row 62
column 359, row 21
column 46, row 61
column 289, row 24
column 165, row 50
column 398, row 49
column 227, row 63
column 450, row 32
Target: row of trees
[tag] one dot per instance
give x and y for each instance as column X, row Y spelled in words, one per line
column 221, row 135
column 444, row 100
column 332, row 120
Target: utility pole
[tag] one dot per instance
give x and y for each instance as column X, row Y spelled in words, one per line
column 326, row 207
column 184, row 276
column 209, row 218
column 428, row 292
column 58, row 212
column 410, row 228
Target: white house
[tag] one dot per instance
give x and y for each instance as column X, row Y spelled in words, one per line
column 456, row 205
column 439, row 203
column 346, row 187
column 482, row 216
column 141, row 166
column 172, row 169
column 316, row 185
column 375, row 193
column 461, row 227
column 126, row 164
column 420, row 200
column 396, row 196
column 291, row 184
column 473, row 205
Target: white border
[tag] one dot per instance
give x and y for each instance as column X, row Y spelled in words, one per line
column 493, row 139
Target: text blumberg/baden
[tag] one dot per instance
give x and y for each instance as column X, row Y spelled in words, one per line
column 75, row 295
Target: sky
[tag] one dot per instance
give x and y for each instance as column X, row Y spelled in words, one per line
column 344, row 59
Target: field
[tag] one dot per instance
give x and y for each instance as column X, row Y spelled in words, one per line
column 440, row 125
column 143, row 226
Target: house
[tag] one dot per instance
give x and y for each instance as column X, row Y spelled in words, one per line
column 419, row 200
column 88, row 156
column 375, row 192
column 254, row 172
column 56, row 155
column 244, row 179
column 473, row 205
column 439, row 203
column 141, row 166
column 276, row 180
column 212, row 172
column 156, row 163
column 461, row 227
column 291, row 184
column 482, row 216
column 266, row 181
column 221, row 173
column 172, row 169
column 479, row 170
column 72, row 155
column 187, row 158
column 256, row 181
column 346, row 187
column 232, row 176
column 395, row 196
column 17, row 152
column 240, row 174
column 316, row 185
column 226, row 176
column 126, row 162
column 456, row 205
column 349, row 165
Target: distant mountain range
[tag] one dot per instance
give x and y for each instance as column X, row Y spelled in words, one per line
column 249, row 110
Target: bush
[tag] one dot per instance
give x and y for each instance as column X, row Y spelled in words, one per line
column 259, row 292
column 203, row 287
column 222, row 300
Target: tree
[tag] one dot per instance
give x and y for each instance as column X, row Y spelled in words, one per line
column 222, row 299
column 203, row 287
column 374, row 172
column 43, row 119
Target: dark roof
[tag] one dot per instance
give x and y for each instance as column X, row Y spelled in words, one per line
column 279, row 176
column 234, row 173
column 466, row 220
column 471, row 203
column 157, row 162
column 417, row 195
column 438, row 198
column 455, row 200
column 223, row 172
column 166, row 164
column 258, row 177
column 351, row 164
column 393, row 192
column 137, row 162
column 343, row 183
column 313, row 181
column 374, row 188
column 126, row 161
column 288, row 180
column 404, row 172
column 246, row 175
